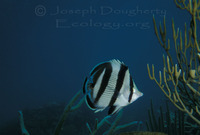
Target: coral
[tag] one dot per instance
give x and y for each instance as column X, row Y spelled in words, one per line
column 68, row 108
column 97, row 125
column 113, row 127
column 172, row 123
column 42, row 121
column 21, row 119
column 181, row 80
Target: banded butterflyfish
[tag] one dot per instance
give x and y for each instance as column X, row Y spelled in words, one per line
column 110, row 85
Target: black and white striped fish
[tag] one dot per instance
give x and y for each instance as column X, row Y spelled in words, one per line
column 110, row 85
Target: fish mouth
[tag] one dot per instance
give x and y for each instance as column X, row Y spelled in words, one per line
column 138, row 93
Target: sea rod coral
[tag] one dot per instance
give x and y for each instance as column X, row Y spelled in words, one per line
column 181, row 80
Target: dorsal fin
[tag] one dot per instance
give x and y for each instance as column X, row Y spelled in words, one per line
column 116, row 61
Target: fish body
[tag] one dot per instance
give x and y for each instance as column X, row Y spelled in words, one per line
column 110, row 85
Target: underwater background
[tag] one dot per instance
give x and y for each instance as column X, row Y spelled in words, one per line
column 48, row 47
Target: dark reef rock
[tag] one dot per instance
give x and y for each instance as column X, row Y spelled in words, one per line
column 42, row 121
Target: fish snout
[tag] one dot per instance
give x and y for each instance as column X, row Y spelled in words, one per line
column 138, row 93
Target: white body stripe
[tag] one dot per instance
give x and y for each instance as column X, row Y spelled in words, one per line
column 109, row 91
column 122, row 99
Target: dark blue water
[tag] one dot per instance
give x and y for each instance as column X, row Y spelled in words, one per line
column 48, row 47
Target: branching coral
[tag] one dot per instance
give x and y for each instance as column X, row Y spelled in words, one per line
column 68, row 108
column 168, row 122
column 21, row 119
column 114, row 127
column 182, row 80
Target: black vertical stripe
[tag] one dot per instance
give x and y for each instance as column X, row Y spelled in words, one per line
column 98, row 67
column 131, row 89
column 111, row 110
column 104, row 82
column 119, row 83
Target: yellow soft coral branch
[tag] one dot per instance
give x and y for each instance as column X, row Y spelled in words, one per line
column 190, row 86
column 175, row 99
column 180, row 82
column 192, row 6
